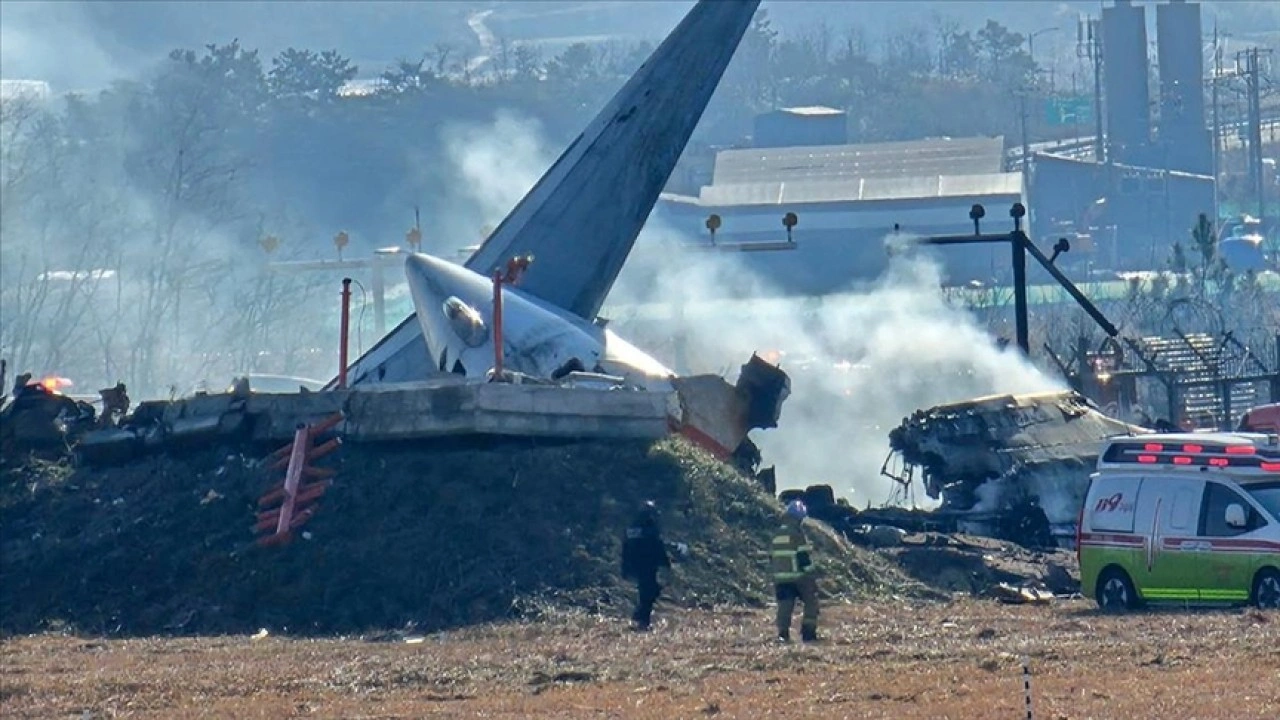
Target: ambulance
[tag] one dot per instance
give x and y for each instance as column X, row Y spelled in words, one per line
column 1188, row 518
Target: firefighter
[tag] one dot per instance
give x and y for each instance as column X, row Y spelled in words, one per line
column 794, row 574
column 644, row 555
column 115, row 405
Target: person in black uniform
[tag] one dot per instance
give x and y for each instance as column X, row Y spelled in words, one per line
column 644, row 554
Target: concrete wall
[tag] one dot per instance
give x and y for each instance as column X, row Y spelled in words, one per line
column 393, row 413
column 430, row 409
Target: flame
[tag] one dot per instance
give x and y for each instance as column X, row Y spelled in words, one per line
column 54, row 384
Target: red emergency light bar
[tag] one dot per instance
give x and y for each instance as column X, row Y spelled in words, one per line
column 1189, row 454
column 1193, row 449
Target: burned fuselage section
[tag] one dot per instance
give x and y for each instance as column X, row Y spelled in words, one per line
column 1003, row 454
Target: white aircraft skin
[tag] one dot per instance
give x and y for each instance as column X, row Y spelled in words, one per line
column 454, row 307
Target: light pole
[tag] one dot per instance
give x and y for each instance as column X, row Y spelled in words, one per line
column 1031, row 43
column 1089, row 45
column 1022, row 108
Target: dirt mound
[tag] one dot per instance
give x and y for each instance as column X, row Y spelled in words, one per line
column 434, row 538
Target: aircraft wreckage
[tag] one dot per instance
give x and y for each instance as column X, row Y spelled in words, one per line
column 501, row 311
column 502, row 318
column 1006, row 463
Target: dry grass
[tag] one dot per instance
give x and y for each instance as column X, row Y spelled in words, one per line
column 880, row 659
column 437, row 536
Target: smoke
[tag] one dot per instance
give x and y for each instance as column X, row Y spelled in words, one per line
column 58, row 43
column 496, row 165
column 860, row 361
column 109, row 272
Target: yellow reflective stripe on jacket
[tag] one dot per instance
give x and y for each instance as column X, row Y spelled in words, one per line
column 784, row 557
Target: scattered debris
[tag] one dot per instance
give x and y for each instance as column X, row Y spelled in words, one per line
column 1014, row 466
column 979, row 565
column 1015, row 595
column 39, row 418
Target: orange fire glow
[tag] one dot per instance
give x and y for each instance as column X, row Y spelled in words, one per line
column 54, row 384
column 773, row 357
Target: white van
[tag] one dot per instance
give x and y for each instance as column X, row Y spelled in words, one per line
column 1188, row 518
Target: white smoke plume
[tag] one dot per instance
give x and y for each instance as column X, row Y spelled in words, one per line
column 860, row 362
column 58, row 43
column 496, row 165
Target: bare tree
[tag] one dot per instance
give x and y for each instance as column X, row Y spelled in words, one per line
column 190, row 168
column 441, row 52
column 55, row 238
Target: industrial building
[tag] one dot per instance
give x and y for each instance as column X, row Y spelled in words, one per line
column 1128, row 93
column 789, row 127
column 1149, row 181
column 848, row 199
column 1126, row 206
column 1131, row 215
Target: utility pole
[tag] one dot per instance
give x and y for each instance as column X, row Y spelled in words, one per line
column 1217, row 125
column 1031, row 43
column 1023, row 247
column 1022, row 107
column 1020, row 245
column 1253, row 96
column 1026, row 150
column 1026, row 142
column 1089, row 45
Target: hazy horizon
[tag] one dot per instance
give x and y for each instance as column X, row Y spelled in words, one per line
column 85, row 46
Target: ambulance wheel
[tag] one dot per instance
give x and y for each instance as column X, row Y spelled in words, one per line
column 1115, row 591
column 1266, row 589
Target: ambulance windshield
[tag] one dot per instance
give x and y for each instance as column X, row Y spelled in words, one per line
column 1268, row 496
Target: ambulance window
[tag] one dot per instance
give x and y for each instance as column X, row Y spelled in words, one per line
column 1213, row 513
column 1181, row 515
column 1268, row 496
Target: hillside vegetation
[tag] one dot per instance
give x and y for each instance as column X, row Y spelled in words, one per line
column 430, row 538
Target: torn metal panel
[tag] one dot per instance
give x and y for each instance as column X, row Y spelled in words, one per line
column 991, row 453
column 718, row 416
column 38, row 417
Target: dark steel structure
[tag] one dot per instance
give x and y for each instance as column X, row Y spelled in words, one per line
column 1127, row 89
column 1021, row 246
column 1189, row 380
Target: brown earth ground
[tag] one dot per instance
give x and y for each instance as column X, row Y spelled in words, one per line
column 880, row 659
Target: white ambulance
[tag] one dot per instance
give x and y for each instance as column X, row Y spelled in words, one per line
column 1186, row 518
